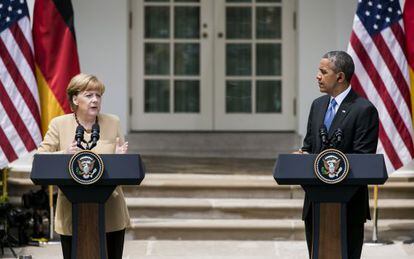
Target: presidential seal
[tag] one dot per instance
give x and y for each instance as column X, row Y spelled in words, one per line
column 86, row 167
column 331, row 166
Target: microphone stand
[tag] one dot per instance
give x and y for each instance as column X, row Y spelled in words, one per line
column 337, row 138
column 79, row 137
column 94, row 135
column 323, row 133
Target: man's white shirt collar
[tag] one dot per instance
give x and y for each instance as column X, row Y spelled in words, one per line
column 339, row 98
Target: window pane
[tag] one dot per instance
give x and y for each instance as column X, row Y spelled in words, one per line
column 187, row 1
column 157, row 22
column 269, row 59
column 238, row 59
column 157, row 59
column 157, row 96
column 238, row 23
column 238, row 97
column 187, row 96
column 268, row 96
column 268, row 23
column 187, row 22
column 187, row 59
column 157, row 0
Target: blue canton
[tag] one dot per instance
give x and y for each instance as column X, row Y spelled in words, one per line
column 377, row 15
column 11, row 11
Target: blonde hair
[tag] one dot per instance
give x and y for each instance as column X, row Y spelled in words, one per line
column 80, row 83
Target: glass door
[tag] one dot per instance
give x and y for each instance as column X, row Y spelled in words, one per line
column 254, row 53
column 171, row 55
column 212, row 65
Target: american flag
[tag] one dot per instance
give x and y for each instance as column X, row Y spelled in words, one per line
column 19, row 97
column 381, row 75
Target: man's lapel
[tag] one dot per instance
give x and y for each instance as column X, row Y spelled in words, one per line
column 342, row 112
column 320, row 116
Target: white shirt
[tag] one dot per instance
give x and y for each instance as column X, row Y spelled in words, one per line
column 340, row 98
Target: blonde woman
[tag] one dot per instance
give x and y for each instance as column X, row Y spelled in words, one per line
column 85, row 97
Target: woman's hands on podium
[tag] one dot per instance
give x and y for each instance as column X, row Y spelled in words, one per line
column 121, row 149
column 300, row 151
column 73, row 148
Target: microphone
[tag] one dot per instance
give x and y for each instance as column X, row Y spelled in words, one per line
column 79, row 136
column 323, row 133
column 94, row 135
column 338, row 135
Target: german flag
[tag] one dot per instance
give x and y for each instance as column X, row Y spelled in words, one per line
column 408, row 17
column 56, row 56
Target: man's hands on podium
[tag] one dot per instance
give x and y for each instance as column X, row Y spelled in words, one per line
column 300, row 151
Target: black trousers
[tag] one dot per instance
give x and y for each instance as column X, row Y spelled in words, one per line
column 114, row 244
column 355, row 238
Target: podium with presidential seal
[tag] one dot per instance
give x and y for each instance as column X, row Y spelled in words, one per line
column 330, row 179
column 87, row 180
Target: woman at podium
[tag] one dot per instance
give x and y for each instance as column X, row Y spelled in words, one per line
column 85, row 97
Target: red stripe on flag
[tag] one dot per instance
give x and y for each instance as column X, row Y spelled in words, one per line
column 23, row 44
column 386, row 143
column 399, row 35
column 393, row 68
column 15, row 118
column 7, row 147
column 391, row 153
column 55, row 50
column 383, row 93
column 19, row 82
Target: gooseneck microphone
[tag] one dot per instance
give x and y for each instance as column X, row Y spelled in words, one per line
column 332, row 142
column 323, row 134
column 338, row 135
column 80, row 130
column 94, row 135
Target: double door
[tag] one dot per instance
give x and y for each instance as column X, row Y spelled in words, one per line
column 212, row 65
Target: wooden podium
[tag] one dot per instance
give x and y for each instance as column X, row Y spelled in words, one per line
column 329, row 200
column 88, row 201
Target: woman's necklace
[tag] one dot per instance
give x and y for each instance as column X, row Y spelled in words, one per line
column 87, row 130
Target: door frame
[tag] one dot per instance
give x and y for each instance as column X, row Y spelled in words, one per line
column 170, row 121
column 210, row 118
column 258, row 121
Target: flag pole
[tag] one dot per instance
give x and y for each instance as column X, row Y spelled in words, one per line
column 4, row 194
column 375, row 240
column 51, row 220
column 375, row 229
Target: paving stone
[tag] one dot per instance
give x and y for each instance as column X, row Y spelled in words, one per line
column 222, row 250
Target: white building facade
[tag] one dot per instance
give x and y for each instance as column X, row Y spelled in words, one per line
column 210, row 65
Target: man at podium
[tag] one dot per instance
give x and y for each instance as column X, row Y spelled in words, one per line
column 341, row 110
column 85, row 93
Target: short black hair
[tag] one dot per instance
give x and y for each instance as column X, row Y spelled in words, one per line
column 342, row 62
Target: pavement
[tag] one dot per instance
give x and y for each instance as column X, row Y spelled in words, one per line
column 190, row 153
column 163, row 249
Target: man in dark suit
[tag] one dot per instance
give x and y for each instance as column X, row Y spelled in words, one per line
column 341, row 108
